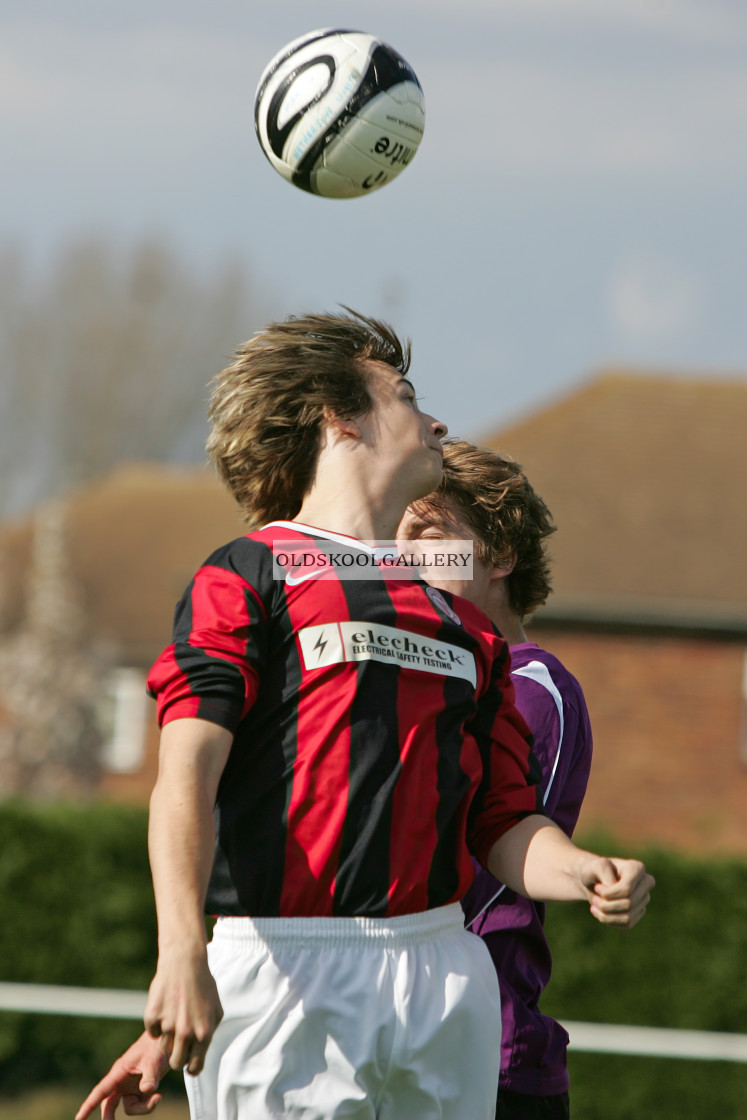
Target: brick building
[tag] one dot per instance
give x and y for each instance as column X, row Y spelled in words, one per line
column 645, row 476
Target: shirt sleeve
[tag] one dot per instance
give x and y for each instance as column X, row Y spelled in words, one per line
column 212, row 668
column 510, row 788
column 554, row 707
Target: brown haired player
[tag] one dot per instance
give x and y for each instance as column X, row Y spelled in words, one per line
column 487, row 497
column 332, row 754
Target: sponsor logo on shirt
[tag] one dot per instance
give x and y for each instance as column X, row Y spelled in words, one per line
column 441, row 605
column 337, row 642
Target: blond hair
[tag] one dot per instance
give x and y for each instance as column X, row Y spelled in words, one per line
column 267, row 406
column 509, row 520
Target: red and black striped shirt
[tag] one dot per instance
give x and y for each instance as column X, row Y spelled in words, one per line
column 376, row 743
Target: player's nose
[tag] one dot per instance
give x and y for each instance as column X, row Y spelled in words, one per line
column 437, row 426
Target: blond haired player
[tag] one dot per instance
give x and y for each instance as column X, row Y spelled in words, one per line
column 324, row 781
column 487, row 497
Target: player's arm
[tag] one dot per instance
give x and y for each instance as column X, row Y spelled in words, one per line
column 132, row 1081
column 531, row 854
column 183, row 1007
column 536, row 859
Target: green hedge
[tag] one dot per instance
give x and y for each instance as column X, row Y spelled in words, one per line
column 78, row 909
column 622, row 1087
column 684, row 966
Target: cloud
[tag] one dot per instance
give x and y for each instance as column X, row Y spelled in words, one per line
column 652, row 300
column 691, row 19
column 149, row 89
column 95, row 96
column 522, row 116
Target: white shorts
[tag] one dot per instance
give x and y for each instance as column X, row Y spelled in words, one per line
column 362, row 1018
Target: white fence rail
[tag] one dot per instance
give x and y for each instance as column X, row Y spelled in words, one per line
column 657, row 1042
column 599, row 1038
column 53, row 999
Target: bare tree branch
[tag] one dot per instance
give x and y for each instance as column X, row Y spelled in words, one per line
column 107, row 359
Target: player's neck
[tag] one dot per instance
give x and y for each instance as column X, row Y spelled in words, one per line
column 499, row 611
column 362, row 485
column 510, row 626
column 343, row 502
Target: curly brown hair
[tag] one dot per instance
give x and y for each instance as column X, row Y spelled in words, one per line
column 267, row 406
column 510, row 521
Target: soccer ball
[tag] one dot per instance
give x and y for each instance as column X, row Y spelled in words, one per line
column 339, row 113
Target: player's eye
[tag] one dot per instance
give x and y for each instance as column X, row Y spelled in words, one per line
column 409, row 395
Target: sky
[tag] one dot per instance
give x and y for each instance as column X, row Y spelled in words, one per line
column 578, row 201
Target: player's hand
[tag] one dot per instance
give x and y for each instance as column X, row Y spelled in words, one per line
column 618, row 890
column 183, row 1009
column 132, row 1081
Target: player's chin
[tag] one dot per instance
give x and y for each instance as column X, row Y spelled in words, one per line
column 426, row 478
column 436, row 466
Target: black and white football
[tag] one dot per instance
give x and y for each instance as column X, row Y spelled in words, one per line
column 339, row 113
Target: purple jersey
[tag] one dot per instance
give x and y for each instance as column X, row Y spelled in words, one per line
column 533, row 1046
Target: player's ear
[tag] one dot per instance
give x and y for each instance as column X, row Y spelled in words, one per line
column 338, row 427
column 503, row 570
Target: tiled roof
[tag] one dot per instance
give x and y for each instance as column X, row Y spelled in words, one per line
column 646, row 477
column 134, row 541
